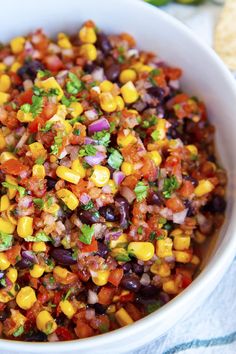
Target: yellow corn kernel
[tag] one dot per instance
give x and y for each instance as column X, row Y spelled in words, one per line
column 25, row 226
column 37, row 271
column 127, row 168
column 6, row 226
column 67, row 308
column 51, row 83
column 199, row 237
column 170, row 287
column 192, row 149
column 17, row 318
column 120, row 104
column 39, row 246
column 68, row 198
column 125, row 140
column 145, row 68
column 4, row 97
column 17, row 44
column 3, row 67
column 76, row 109
column 38, row 171
column 129, row 92
column 112, row 186
column 164, row 248
column 37, row 150
column 15, row 67
column 182, row 256
column 123, row 318
column 5, row 83
column 111, row 309
column 144, row 251
column 12, row 274
column 101, row 277
column 88, row 51
column 11, row 192
column 60, row 272
column 2, row 141
column 6, row 297
column 181, row 243
column 107, row 102
column 10, row 216
column 63, row 41
column 45, row 322
column 4, row 203
column 52, row 209
column 100, row 176
column 176, row 232
column 195, row 260
column 106, row 86
column 204, row 186
column 26, row 298
column 161, row 269
column 67, row 174
column 121, row 241
column 24, row 117
column 127, row 75
column 117, row 298
column 53, row 158
column 5, row 156
column 4, row 263
column 160, row 132
column 87, row 35
column 155, row 157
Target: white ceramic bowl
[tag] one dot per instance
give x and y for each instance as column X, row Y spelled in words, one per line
column 204, row 76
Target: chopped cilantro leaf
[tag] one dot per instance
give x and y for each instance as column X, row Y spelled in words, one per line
column 155, row 135
column 154, row 72
column 5, row 241
column 76, row 132
column 40, row 160
column 47, row 127
column 140, row 230
column 38, row 202
column 37, row 106
column 103, row 328
column 88, row 206
column 170, row 185
column 123, row 258
column 3, row 282
column 87, row 234
column 87, row 150
column 67, row 101
column 40, row 236
column 75, row 85
column 57, row 144
column 67, row 294
column 19, row 331
column 141, row 191
column 112, row 126
column 115, row 159
column 44, row 73
column 103, row 137
column 20, row 189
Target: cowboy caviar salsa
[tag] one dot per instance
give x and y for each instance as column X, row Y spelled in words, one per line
column 109, row 184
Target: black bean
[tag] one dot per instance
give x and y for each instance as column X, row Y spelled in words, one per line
column 51, row 182
column 61, row 319
column 137, row 268
column 102, row 250
column 36, row 337
column 108, row 212
column 123, row 207
column 24, row 264
column 127, row 267
column 112, row 72
column 148, row 291
column 99, row 309
column 29, row 70
column 216, row 205
column 88, row 217
column 62, row 256
column 4, row 314
column 156, row 92
column 103, row 43
column 130, row 282
column 191, row 211
column 89, row 67
column 155, row 199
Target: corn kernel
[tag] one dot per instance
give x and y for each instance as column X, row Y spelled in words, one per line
column 101, row 277
column 204, row 186
column 10, row 216
column 160, row 132
column 106, row 86
column 37, row 271
column 87, row 35
column 123, row 318
column 195, row 260
column 38, row 171
column 100, row 176
column 4, row 97
column 45, row 322
column 170, row 287
column 112, row 186
column 120, row 104
column 3, row 67
column 26, row 298
column 127, row 75
column 63, row 41
column 39, row 246
column 25, row 226
column 144, row 251
column 67, row 174
column 60, row 272
column 192, row 149
column 107, row 102
column 127, row 168
column 67, row 308
column 76, row 109
column 52, row 209
column 11, row 192
column 181, row 243
column 155, row 157
column 12, row 274
column 24, row 117
column 5, row 156
column 2, row 141
column 4, row 263
column 125, row 140
column 129, row 92
column 51, row 83
column 6, row 297
column 121, row 241
column 111, row 309
column 4, row 203
column 18, row 320
column 161, row 269
column 5, row 83
column 6, row 226
column 15, row 67
column 17, row 44
column 68, row 198
column 164, row 247
column 37, row 150
column 176, row 232
column 182, row 256
column 88, row 51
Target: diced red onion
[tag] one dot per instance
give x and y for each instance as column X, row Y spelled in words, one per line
column 106, row 189
column 145, row 279
column 164, row 297
column 128, row 194
column 96, row 159
column 89, row 314
column 179, row 218
column 99, row 230
column 28, row 48
column 88, row 141
column 53, row 337
column 22, row 140
column 112, row 235
column 9, row 60
column 30, row 256
column 84, row 198
column 99, row 125
column 170, row 259
column 166, row 213
column 92, row 297
column 91, row 114
column 174, row 84
column 98, row 74
column 118, row 177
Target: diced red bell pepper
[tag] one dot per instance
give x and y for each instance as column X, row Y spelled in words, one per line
column 93, row 247
column 105, row 295
column 13, row 167
column 63, row 333
column 115, row 276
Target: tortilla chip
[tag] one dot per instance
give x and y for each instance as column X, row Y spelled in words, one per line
column 225, row 35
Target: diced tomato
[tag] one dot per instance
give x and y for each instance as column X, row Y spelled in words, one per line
column 83, row 330
column 175, row 204
column 49, row 110
column 172, row 73
column 34, row 282
column 186, row 189
column 13, row 254
column 57, row 297
column 128, row 38
column 53, row 63
column 15, row 79
column 149, row 170
column 186, row 276
column 37, row 122
column 37, row 186
column 130, row 181
column 93, row 247
column 133, row 311
column 63, row 333
column 116, row 276
column 127, row 297
column 100, row 322
column 25, row 97
column 105, row 295
column 13, row 167
column 79, row 188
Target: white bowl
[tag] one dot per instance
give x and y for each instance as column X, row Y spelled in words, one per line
column 204, row 76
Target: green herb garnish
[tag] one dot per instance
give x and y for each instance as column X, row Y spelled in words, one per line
column 19, row 331
column 141, row 191
column 140, row 230
column 87, row 206
column 40, row 236
column 115, row 159
column 67, row 101
column 35, row 108
column 38, row 202
column 6, row 241
column 153, row 307
column 40, row 160
column 75, row 85
column 87, row 234
column 170, row 185
column 21, row 190
column 103, row 137
column 57, row 143
column 155, row 135
column 87, row 150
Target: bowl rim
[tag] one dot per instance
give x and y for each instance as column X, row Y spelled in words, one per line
column 224, row 255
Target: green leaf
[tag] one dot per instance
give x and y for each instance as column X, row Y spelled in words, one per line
column 25, row 108
column 87, row 206
column 20, row 189
column 140, row 230
column 57, row 143
column 170, row 185
column 76, row 132
column 123, row 258
column 67, row 294
column 115, row 159
column 3, row 282
column 38, row 202
column 103, row 137
column 47, row 127
column 155, row 135
column 6, row 241
column 67, row 101
column 44, row 73
column 37, row 106
column 141, row 191
column 75, row 85
column 87, row 234
column 40, row 160
column 88, row 150
column 40, row 236
column 152, row 236
column 19, row 331
column 103, row 328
